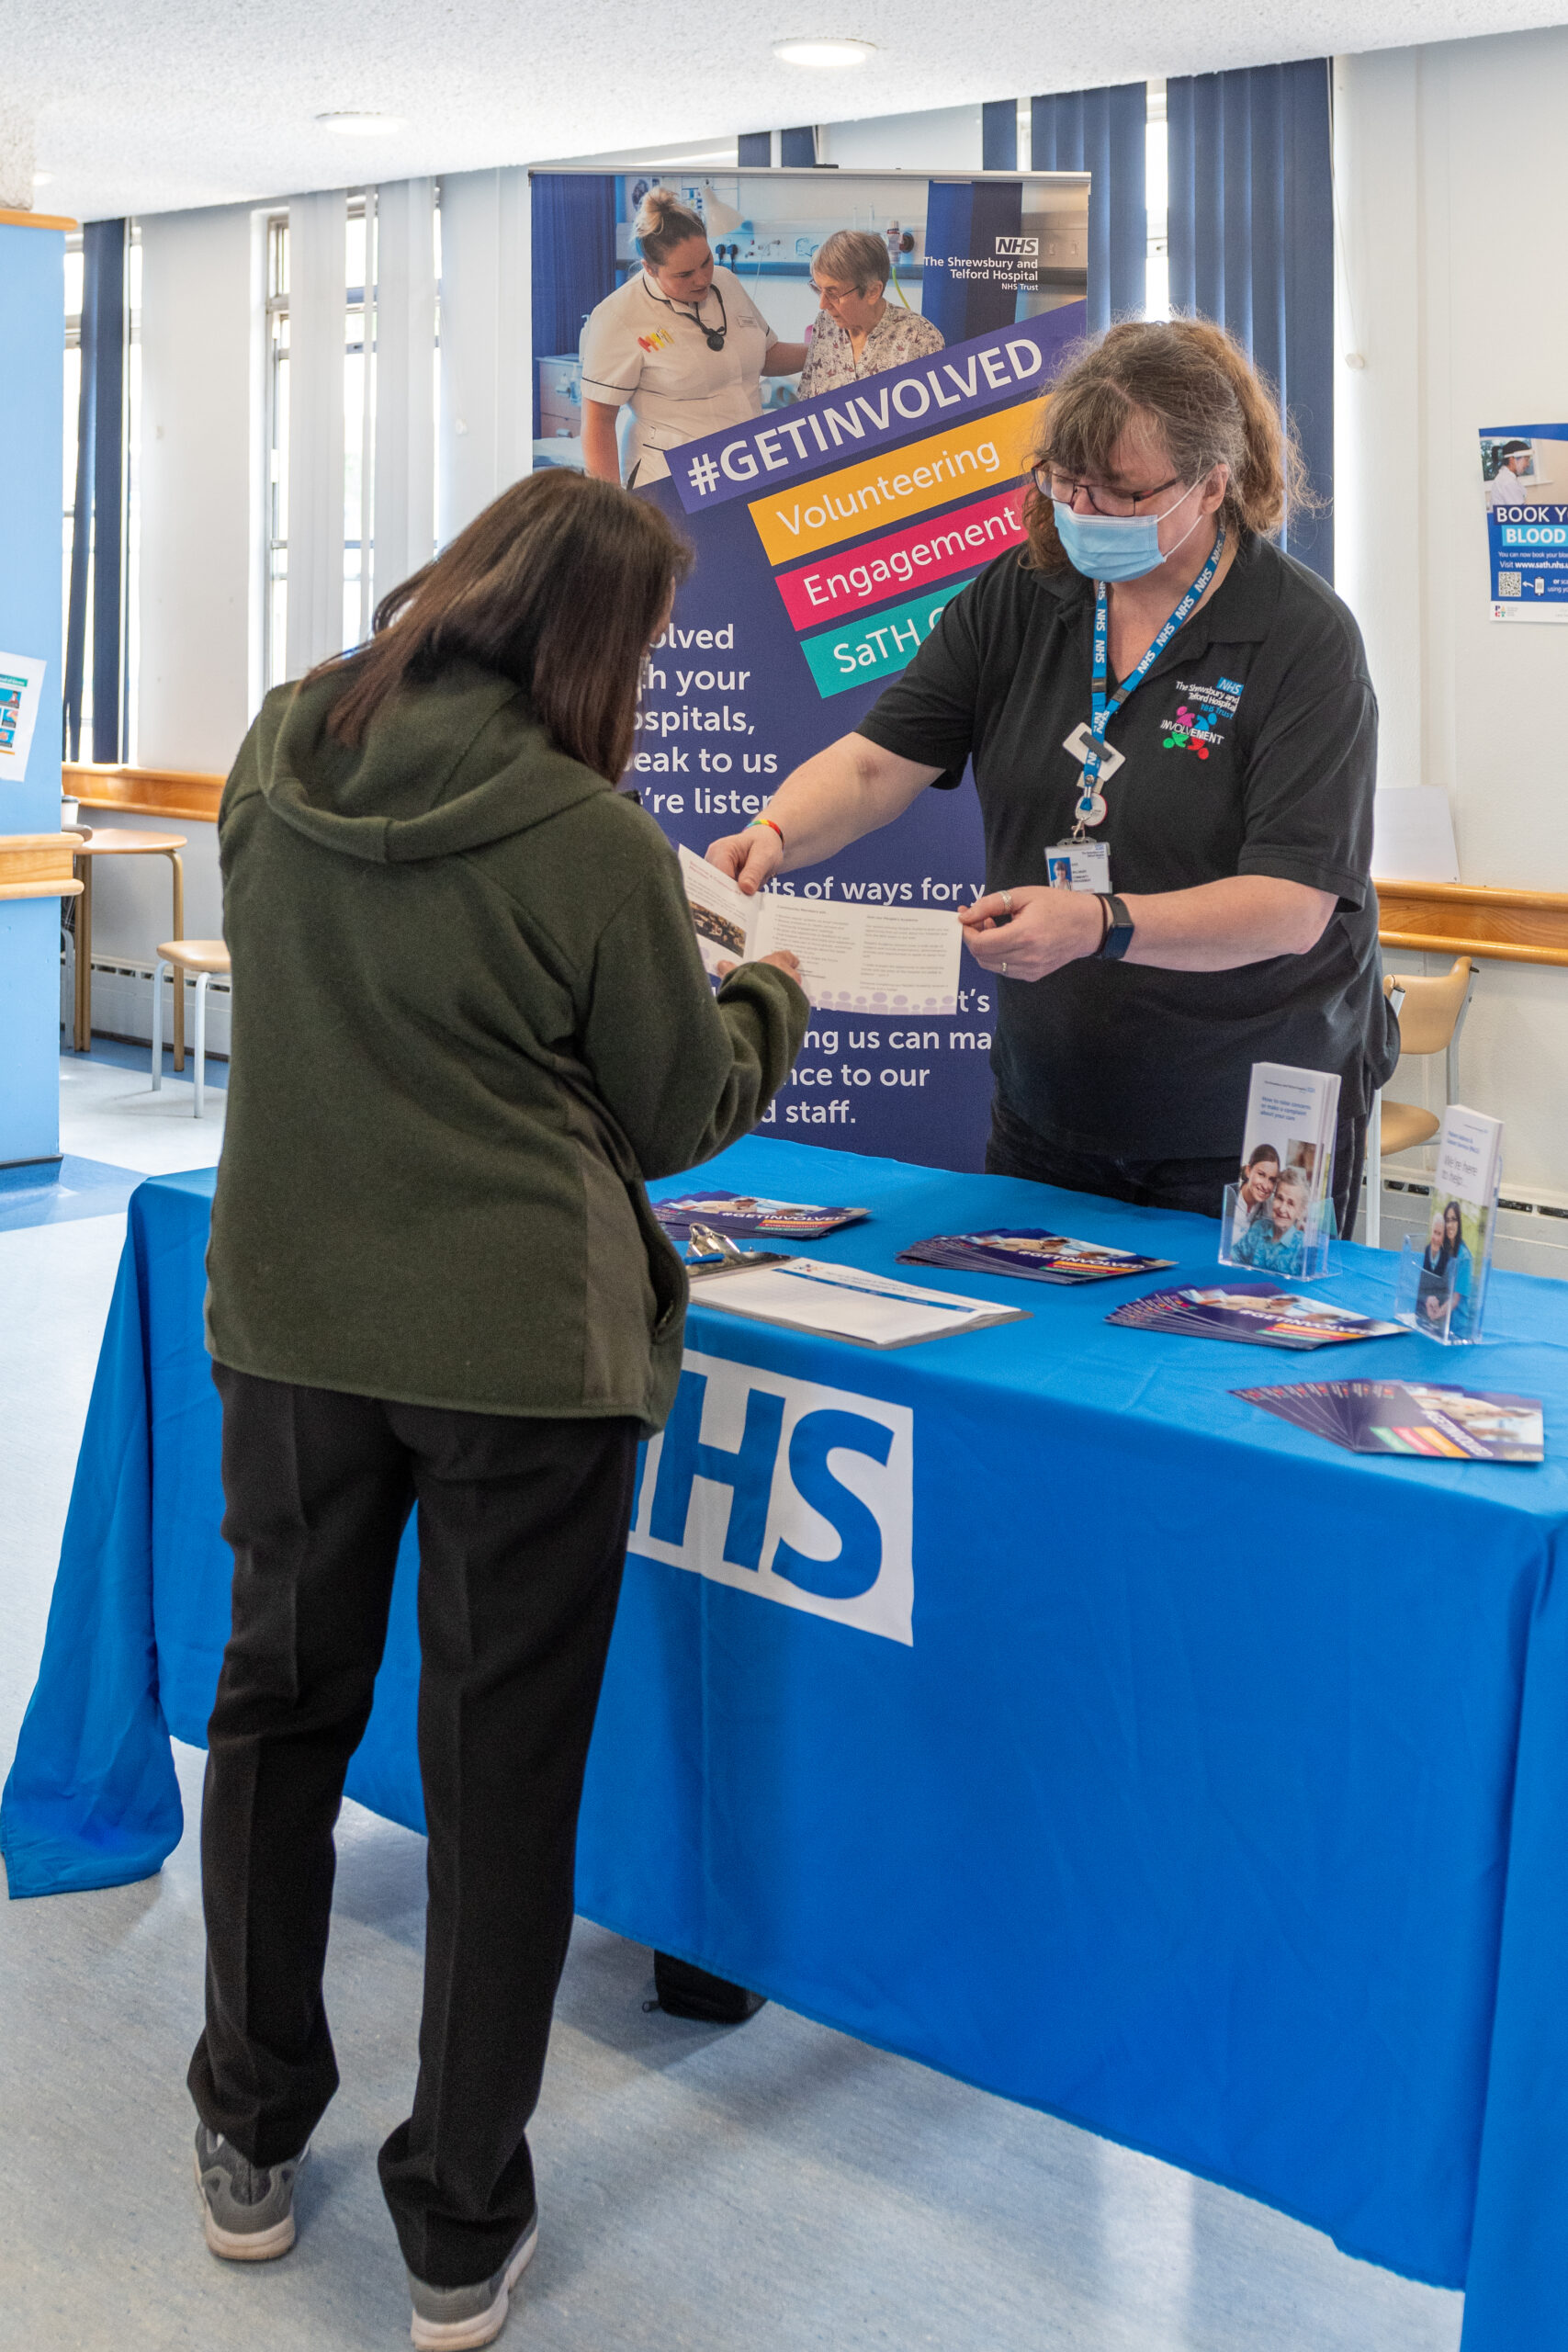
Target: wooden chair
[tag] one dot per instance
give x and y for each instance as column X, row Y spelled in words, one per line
column 204, row 957
column 1431, row 1016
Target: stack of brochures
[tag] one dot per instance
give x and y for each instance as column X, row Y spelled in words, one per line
column 1442, row 1285
column 1256, row 1312
column 1425, row 1418
column 1278, row 1214
column 748, row 1216
column 842, row 1303
column 1027, row 1250
column 854, row 957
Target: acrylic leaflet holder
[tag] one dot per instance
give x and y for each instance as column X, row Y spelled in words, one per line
column 1444, row 1300
column 1298, row 1251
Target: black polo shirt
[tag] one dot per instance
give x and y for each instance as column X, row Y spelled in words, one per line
column 1249, row 748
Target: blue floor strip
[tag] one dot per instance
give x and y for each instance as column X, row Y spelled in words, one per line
column 54, row 1192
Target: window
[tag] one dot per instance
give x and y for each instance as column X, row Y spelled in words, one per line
column 358, row 433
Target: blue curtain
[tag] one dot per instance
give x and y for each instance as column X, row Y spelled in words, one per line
column 964, row 218
column 999, row 135
column 97, row 531
column 1251, row 226
column 574, row 259
column 1102, row 133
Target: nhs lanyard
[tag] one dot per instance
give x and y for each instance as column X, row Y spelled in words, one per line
column 1091, row 800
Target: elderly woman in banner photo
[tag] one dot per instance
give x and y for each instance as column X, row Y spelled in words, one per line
column 859, row 332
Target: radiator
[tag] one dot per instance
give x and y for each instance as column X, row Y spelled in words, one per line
column 122, row 1001
column 1532, row 1227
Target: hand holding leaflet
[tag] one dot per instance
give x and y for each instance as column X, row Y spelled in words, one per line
column 864, row 959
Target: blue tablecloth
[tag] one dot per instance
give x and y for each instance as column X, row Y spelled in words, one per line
column 1023, row 1702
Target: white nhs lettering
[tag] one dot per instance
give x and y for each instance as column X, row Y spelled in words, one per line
column 799, row 1494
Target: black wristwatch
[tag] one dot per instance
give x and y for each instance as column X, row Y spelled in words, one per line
column 1118, row 931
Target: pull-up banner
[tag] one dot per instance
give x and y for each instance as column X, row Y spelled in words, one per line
column 829, row 537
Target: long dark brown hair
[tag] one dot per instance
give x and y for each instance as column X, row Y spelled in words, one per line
column 560, row 584
column 1206, row 404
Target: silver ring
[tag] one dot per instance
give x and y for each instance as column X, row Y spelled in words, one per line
column 1006, row 901
column 1004, row 967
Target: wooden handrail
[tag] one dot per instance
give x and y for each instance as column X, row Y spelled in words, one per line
column 149, row 792
column 1466, row 919
column 38, row 865
column 10, row 220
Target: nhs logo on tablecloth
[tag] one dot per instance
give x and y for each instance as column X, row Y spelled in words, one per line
column 796, row 1493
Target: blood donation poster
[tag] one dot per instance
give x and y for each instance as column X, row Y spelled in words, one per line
column 1524, row 480
column 829, row 537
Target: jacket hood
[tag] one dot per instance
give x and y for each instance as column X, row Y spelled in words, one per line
column 445, row 767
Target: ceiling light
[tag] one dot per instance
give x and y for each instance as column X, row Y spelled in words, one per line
column 826, row 54
column 362, row 126
column 42, row 179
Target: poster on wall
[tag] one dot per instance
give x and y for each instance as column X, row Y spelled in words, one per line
column 829, row 533
column 1524, row 480
column 21, row 693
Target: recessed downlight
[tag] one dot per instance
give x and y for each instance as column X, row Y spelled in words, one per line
column 42, row 179
column 827, row 56
column 362, row 126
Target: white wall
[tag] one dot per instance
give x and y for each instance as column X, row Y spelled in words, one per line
column 1452, row 174
column 948, row 139
column 199, row 581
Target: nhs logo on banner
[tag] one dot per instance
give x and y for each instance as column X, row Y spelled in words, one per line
column 799, row 1494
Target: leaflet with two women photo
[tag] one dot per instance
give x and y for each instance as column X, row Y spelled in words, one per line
column 1442, row 1281
column 1277, row 1215
column 896, row 960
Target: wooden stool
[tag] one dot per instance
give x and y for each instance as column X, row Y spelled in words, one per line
column 202, row 957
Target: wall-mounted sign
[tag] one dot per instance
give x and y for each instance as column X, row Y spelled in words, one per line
column 1524, row 479
column 21, row 692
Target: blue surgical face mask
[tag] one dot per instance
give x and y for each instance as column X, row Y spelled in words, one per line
column 1113, row 547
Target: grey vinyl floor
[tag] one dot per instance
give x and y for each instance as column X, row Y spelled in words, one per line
column 773, row 2187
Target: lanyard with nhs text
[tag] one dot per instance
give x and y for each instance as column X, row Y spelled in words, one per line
column 1091, row 809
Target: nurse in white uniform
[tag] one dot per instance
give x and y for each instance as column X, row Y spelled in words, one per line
column 681, row 344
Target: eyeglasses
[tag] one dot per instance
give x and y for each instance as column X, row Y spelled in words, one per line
column 1101, row 501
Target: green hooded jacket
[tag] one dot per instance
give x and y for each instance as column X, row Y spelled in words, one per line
column 469, row 1020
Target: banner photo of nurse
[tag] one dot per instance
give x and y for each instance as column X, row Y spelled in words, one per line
column 852, row 453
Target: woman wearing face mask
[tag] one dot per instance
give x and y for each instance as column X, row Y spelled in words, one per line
column 681, row 344
column 1218, row 759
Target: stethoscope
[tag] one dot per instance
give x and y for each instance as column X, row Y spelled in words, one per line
column 713, row 336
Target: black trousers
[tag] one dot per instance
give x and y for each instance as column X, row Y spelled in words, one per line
column 1196, row 1184
column 523, row 1530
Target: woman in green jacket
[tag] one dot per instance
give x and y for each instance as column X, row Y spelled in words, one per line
column 469, row 1020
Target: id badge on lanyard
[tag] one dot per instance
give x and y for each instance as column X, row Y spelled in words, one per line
column 1079, row 864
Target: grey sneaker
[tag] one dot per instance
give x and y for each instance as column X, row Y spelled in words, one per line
column 449, row 2319
column 247, row 2214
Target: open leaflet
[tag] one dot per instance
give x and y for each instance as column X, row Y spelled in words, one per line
column 852, row 958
